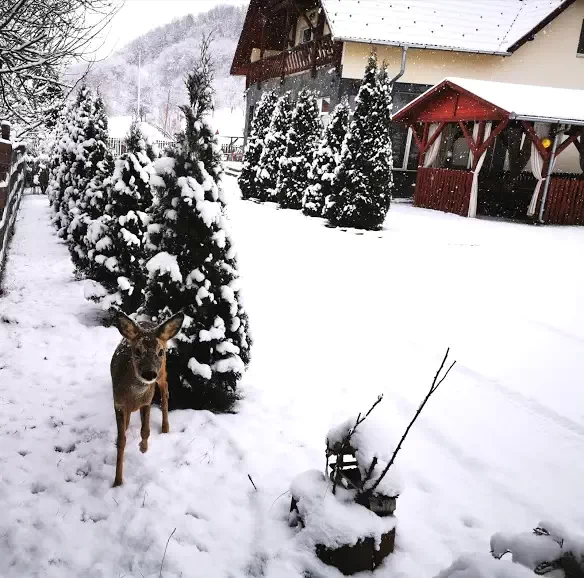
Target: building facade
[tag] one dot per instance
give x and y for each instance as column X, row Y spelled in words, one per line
column 324, row 45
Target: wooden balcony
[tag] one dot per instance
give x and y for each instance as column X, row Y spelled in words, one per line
column 308, row 56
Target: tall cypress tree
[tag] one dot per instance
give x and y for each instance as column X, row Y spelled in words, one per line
column 195, row 266
column 255, row 144
column 301, row 143
column 362, row 188
column 274, row 149
column 87, row 203
column 119, row 237
column 326, row 160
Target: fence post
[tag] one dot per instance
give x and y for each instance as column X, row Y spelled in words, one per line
column 5, row 163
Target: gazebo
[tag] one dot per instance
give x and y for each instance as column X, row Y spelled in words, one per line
column 482, row 143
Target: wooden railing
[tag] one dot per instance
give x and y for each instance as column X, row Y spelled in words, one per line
column 118, row 145
column 12, row 167
column 308, row 56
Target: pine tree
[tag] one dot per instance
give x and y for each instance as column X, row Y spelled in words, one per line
column 274, row 149
column 255, row 144
column 88, row 203
column 117, row 239
column 301, row 143
column 362, row 187
column 195, row 267
column 325, row 162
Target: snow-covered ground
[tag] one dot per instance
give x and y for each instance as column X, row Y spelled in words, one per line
column 338, row 318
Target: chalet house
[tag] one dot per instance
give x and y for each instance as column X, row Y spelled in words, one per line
column 324, row 45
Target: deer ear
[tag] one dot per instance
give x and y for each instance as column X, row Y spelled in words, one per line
column 170, row 327
column 127, row 326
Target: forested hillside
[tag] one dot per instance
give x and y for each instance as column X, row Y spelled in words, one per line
column 167, row 54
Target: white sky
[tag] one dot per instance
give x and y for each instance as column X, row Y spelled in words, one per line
column 139, row 16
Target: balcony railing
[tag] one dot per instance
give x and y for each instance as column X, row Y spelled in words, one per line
column 297, row 59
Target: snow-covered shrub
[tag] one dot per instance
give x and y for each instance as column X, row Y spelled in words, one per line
column 326, row 160
column 255, row 144
column 362, row 187
column 116, row 238
column 194, row 268
column 550, row 549
column 274, row 149
column 87, row 202
column 301, row 143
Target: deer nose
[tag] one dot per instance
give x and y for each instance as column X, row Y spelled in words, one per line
column 149, row 375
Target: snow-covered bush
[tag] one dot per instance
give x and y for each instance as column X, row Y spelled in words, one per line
column 194, row 268
column 255, row 144
column 301, row 143
column 326, row 160
column 550, row 549
column 117, row 238
column 274, row 149
column 362, row 187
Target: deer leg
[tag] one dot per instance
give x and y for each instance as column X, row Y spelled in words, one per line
column 128, row 417
column 164, row 404
column 145, row 431
column 121, row 445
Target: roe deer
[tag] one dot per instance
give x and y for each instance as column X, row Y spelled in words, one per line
column 138, row 364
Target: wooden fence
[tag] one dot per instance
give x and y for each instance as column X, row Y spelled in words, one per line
column 565, row 202
column 443, row 190
column 118, row 145
column 12, row 172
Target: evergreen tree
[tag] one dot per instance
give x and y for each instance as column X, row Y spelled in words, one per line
column 274, row 149
column 88, row 202
column 326, row 160
column 301, row 143
column 255, row 144
column 362, row 187
column 195, row 267
column 117, row 239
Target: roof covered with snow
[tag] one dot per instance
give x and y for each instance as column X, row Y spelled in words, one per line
column 486, row 26
column 520, row 101
column 119, row 127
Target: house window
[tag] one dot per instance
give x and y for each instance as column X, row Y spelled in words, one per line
column 325, row 105
column 581, row 41
column 306, row 35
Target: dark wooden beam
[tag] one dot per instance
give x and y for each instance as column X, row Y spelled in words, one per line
column 536, row 140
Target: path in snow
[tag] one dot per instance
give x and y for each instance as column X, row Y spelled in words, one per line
column 337, row 317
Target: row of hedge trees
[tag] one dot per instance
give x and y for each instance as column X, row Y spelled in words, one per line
column 342, row 173
column 150, row 234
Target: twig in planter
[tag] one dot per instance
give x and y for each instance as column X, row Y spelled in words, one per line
column 346, row 441
column 254, row 486
column 164, row 555
column 433, row 388
column 369, row 472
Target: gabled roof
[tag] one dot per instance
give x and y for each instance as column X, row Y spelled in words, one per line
column 484, row 26
column 514, row 101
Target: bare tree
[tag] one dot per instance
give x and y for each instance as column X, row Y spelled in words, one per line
column 38, row 38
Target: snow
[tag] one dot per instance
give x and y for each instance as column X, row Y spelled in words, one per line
column 334, row 520
column 163, row 263
column 484, row 566
column 525, row 101
column 439, row 24
column 338, row 317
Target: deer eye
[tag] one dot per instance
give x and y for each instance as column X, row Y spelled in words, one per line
column 140, row 350
column 161, row 353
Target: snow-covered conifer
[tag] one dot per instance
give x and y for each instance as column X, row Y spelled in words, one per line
column 325, row 162
column 195, row 266
column 255, row 144
column 117, row 238
column 274, row 149
column 301, row 142
column 362, row 188
column 88, row 200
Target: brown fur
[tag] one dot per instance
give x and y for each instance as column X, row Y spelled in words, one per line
column 137, row 366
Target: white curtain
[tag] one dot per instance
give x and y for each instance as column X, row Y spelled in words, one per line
column 475, row 136
column 537, row 167
column 432, row 152
column 474, row 191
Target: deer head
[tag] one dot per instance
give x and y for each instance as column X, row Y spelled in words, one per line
column 148, row 343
